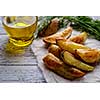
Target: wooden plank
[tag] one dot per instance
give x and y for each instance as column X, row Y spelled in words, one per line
column 9, row 58
column 26, row 74
column 2, row 31
column 18, row 67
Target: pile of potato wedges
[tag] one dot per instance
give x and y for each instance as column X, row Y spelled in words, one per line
column 68, row 56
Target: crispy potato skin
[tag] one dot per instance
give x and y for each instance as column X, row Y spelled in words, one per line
column 56, row 65
column 66, row 54
column 69, row 46
column 55, row 49
column 81, row 38
column 89, row 56
column 51, row 29
column 76, row 72
column 68, row 58
column 52, row 61
column 52, row 38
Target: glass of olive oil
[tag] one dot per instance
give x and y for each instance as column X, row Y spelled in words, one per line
column 20, row 29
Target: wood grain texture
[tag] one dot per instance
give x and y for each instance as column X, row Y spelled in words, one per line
column 29, row 68
column 18, row 68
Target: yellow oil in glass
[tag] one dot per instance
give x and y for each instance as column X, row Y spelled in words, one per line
column 21, row 32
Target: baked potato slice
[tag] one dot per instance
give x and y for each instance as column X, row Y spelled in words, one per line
column 81, row 38
column 56, row 65
column 51, row 28
column 69, row 46
column 55, row 49
column 52, row 38
column 89, row 56
column 68, row 58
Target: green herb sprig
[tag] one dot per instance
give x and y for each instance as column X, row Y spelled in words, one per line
column 80, row 23
column 85, row 23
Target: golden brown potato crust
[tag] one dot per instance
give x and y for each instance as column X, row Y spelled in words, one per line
column 56, row 65
column 52, row 38
column 81, row 38
column 89, row 56
column 51, row 28
column 55, row 49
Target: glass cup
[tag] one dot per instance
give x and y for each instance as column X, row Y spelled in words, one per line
column 20, row 29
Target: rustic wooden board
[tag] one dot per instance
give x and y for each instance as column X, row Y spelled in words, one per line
column 26, row 68
column 20, row 67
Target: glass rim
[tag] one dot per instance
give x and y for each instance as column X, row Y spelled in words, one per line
column 4, row 22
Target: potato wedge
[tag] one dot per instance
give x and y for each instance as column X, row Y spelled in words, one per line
column 68, row 58
column 55, row 49
column 89, row 56
column 69, row 46
column 51, row 28
column 52, row 38
column 56, row 65
column 81, row 38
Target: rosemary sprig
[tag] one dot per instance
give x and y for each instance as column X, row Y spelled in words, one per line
column 80, row 23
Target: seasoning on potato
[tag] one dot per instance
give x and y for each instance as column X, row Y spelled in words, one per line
column 69, row 46
column 89, row 56
column 81, row 38
column 51, row 28
column 52, row 38
column 56, row 65
column 68, row 58
column 55, row 49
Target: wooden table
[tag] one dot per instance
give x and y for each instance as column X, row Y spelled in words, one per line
column 18, row 68
column 24, row 67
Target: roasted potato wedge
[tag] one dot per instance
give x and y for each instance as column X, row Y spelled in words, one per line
column 51, row 28
column 56, row 65
column 69, row 46
column 68, row 58
column 52, row 38
column 81, row 38
column 89, row 56
column 55, row 49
